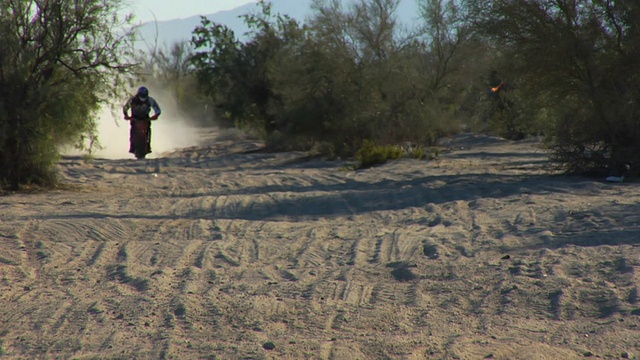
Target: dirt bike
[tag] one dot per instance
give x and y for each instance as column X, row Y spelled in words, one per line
column 141, row 136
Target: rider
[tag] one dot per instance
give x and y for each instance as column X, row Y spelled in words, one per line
column 141, row 104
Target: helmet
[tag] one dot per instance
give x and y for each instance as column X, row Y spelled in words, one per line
column 143, row 92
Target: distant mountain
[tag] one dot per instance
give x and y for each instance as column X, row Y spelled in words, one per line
column 171, row 31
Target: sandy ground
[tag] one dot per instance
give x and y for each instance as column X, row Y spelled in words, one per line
column 219, row 252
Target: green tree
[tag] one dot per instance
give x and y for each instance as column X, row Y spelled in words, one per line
column 351, row 78
column 316, row 81
column 216, row 57
column 58, row 59
column 345, row 77
column 235, row 75
column 171, row 68
column 576, row 67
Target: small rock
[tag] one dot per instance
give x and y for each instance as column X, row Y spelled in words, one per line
column 431, row 251
column 180, row 310
column 626, row 355
column 269, row 345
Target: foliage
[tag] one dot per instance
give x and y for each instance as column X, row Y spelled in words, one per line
column 57, row 58
column 344, row 77
column 577, row 68
column 234, row 74
column 569, row 71
column 419, row 153
column 371, row 154
column 169, row 70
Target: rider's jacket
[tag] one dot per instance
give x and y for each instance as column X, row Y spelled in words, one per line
column 140, row 108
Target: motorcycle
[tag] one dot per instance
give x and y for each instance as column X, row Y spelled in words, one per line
column 141, row 136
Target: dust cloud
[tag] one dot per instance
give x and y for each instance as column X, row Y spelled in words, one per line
column 171, row 131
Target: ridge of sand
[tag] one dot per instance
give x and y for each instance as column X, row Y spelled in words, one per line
column 210, row 252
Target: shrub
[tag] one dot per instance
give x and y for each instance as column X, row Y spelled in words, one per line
column 418, row 153
column 583, row 91
column 343, row 77
column 55, row 64
column 371, row 154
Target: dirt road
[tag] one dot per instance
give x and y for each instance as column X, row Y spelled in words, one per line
column 221, row 252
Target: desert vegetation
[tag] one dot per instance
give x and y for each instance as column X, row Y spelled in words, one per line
column 59, row 61
column 348, row 75
column 563, row 70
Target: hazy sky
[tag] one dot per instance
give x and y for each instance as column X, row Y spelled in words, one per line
column 144, row 10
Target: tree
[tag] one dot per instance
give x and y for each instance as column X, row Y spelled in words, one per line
column 170, row 70
column 445, row 33
column 343, row 78
column 236, row 75
column 576, row 67
column 58, row 61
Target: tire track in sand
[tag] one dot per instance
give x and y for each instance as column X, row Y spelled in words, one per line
column 183, row 281
column 79, row 243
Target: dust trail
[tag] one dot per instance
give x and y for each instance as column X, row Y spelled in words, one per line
column 171, row 131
